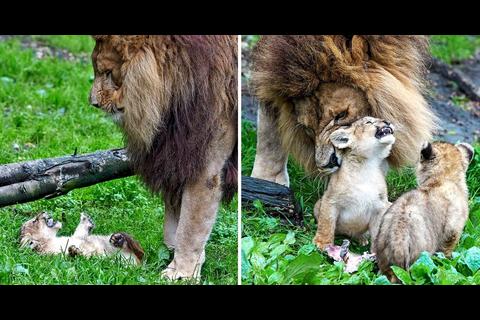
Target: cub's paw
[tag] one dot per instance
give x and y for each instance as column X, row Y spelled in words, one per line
column 321, row 243
column 85, row 219
column 73, row 251
column 118, row 240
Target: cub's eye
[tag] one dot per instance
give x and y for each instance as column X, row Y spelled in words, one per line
column 341, row 115
column 369, row 122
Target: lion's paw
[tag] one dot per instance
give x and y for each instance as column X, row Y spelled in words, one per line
column 172, row 274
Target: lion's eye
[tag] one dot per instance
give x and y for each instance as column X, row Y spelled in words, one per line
column 108, row 73
column 309, row 131
column 369, row 122
column 341, row 115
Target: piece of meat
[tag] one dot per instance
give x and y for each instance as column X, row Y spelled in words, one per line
column 352, row 260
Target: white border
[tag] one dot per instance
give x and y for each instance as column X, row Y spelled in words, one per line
column 239, row 162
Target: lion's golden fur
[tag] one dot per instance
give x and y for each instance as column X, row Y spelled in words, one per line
column 388, row 71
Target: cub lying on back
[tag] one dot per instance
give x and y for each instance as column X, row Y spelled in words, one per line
column 40, row 234
column 357, row 193
column 430, row 218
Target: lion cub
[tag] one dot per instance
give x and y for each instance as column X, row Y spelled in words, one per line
column 430, row 218
column 357, row 193
column 40, row 234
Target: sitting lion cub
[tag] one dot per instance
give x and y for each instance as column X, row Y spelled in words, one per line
column 430, row 218
column 357, row 193
column 40, row 234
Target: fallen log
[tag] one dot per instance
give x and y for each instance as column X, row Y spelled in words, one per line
column 278, row 200
column 49, row 178
column 464, row 83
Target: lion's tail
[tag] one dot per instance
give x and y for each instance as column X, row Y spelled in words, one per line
column 230, row 176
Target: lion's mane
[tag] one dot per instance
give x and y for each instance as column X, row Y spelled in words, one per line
column 175, row 89
column 390, row 70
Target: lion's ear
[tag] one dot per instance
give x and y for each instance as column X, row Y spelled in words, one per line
column 341, row 138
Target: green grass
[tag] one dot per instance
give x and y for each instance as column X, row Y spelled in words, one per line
column 454, row 49
column 74, row 44
column 44, row 112
column 276, row 253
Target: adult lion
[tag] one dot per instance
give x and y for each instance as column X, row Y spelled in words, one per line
column 175, row 97
column 308, row 86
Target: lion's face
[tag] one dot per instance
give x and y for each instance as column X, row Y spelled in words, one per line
column 105, row 92
column 42, row 226
column 329, row 108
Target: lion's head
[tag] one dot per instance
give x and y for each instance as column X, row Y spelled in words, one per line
column 127, row 85
column 315, row 84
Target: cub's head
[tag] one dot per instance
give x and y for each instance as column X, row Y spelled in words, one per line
column 39, row 228
column 367, row 137
column 442, row 159
column 127, row 84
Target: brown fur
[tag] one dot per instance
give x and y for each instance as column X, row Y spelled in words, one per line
column 172, row 90
column 175, row 98
column 305, row 82
column 430, row 218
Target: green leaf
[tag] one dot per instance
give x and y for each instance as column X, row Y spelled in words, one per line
column 302, row 266
column 278, row 250
column 402, row 275
column 290, row 238
column 247, row 245
column 257, row 260
column 422, row 269
column 382, row 280
column 275, row 277
column 448, row 276
column 306, row 249
column 246, row 266
column 472, row 259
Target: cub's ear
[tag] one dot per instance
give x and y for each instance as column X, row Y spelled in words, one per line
column 341, row 138
column 427, row 151
column 467, row 150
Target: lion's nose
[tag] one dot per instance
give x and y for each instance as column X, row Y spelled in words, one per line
column 94, row 101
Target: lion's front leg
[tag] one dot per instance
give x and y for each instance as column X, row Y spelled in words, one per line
column 200, row 202
column 170, row 222
column 270, row 159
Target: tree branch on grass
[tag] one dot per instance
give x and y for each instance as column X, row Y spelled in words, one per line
column 49, row 178
column 278, row 200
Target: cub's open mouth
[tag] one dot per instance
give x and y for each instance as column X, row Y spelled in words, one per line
column 383, row 131
column 333, row 162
